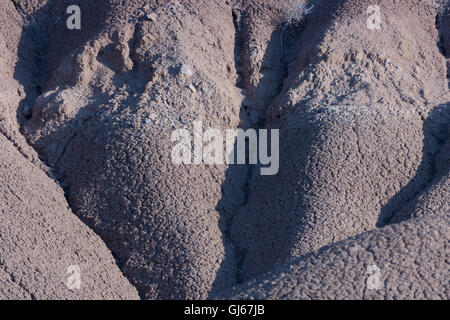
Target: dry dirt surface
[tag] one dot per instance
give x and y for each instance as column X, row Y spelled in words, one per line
column 360, row 205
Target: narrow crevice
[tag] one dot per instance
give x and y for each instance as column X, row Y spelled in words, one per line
column 443, row 40
column 133, row 43
column 244, row 70
column 18, row 8
column 37, row 33
column 238, row 54
column 238, row 48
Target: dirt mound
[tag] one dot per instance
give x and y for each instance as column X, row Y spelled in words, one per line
column 15, row 76
column 41, row 238
column 105, row 125
column 406, row 261
column 356, row 142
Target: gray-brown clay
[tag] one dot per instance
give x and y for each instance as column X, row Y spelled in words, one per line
column 87, row 178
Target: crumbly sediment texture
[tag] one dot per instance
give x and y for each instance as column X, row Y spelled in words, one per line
column 87, row 179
